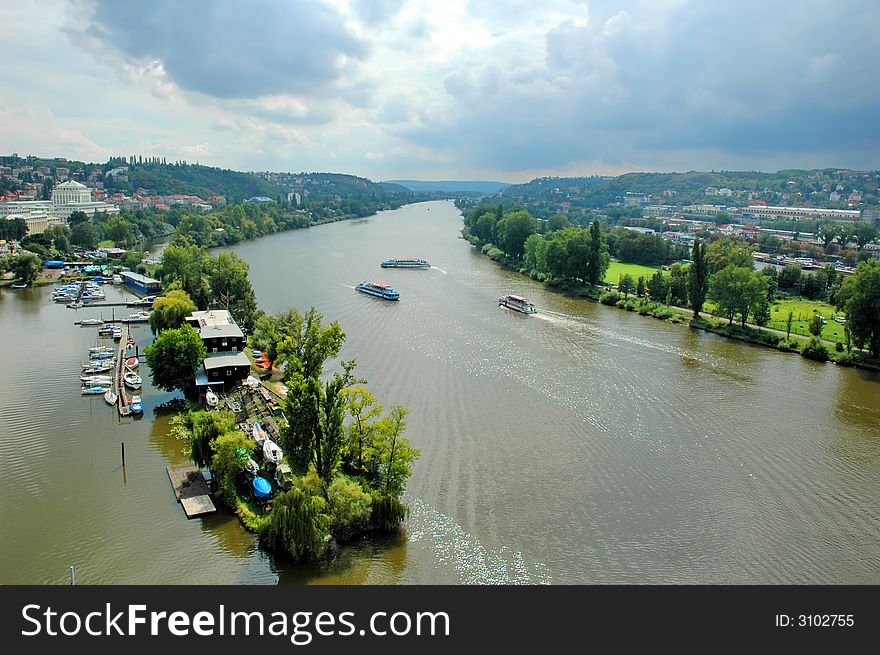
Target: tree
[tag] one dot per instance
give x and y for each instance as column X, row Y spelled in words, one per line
column 27, row 267
column 557, row 222
column 761, row 312
column 859, row 298
column 729, row 252
column 789, row 277
column 206, row 427
column 76, row 217
column 299, row 524
column 232, row 289
column 864, row 233
column 350, row 508
column 737, row 290
column 815, row 326
column 363, row 410
column 170, row 310
column 657, row 287
column 84, row 234
column 698, row 277
column 640, row 286
column 13, row 229
column 174, row 357
column 231, row 451
column 185, row 264
column 315, row 409
column 678, row 284
column 626, row 284
column 827, row 232
column 394, row 454
column 513, row 230
column 788, row 321
column 598, row 258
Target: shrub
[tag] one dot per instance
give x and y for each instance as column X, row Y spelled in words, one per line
column 609, row 298
column 388, row 512
column 350, row 509
column 815, row 350
column 788, row 345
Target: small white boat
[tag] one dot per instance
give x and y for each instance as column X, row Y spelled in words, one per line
column 94, row 390
column 251, row 466
column 211, row 398
column 89, row 322
column 110, row 397
column 99, row 366
column 132, row 380
column 136, row 406
column 272, row 452
column 140, row 317
column 259, row 433
column 96, row 379
column 252, row 383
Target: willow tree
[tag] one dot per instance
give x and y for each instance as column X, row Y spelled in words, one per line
column 299, row 524
column 170, row 311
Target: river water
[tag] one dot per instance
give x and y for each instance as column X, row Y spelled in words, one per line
column 580, row 445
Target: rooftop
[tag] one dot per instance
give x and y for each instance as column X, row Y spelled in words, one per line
column 222, row 360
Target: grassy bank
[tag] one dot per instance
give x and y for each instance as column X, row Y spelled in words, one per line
column 616, row 269
column 797, row 343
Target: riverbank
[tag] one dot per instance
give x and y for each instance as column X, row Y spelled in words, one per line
column 829, row 351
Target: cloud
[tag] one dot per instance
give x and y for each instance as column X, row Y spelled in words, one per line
column 233, row 48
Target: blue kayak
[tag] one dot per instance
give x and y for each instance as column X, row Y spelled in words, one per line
column 262, row 488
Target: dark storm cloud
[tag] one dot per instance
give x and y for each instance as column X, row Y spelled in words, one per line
column 233, row 48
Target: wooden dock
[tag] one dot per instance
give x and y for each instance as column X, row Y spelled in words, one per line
column 190, row 489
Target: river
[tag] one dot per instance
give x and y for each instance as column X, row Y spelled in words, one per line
column 580, row 445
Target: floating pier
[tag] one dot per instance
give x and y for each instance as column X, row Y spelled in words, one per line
column 190, row 489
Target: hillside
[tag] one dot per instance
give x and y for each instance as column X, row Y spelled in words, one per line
column 453, row 186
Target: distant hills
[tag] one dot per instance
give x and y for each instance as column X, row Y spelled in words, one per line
column 452, row 186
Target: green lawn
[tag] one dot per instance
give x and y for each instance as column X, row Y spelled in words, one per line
column 616, row 269
column 803, row 311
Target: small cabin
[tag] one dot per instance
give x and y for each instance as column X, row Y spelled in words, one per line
column 224, row 368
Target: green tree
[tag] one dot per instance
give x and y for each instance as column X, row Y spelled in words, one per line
column 859, row 298
column 598, row 258
column 626, row 285
column 737, row 290
column 185, row 265
column 76, row 217
column 26, row 266
column 363, row 411
column 350, row 508
column 557, row 222
column 84, row 234
column 13, row 229
column 761, row 312
column 729, row 252
column 513, row 230
column 640, row 286
column 315, row 409
column 231, row 288
column 827, row 232
column 299, row 524
column 678, row 284
column 698, row 277
column 206, row 428
column 270, row 330
column 170, row 310
column 231, row 451
column 657, row 287
column 394, row 454
column 864, row 233
column 174, row 357
column 815, row 326
column 788, row 321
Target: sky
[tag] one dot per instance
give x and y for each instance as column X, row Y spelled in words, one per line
column 503, row 90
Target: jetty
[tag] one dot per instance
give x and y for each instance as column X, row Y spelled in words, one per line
column 190, row 489
column 121, row 396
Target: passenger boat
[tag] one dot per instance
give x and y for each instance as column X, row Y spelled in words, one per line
column 95, row 390
column 378, row 290
column 110, row 397
column 405, row 263
column 211, row 398
column 259, row 433
column 132, row 380
column 136, row 405
column 272, row 452
column 517, row 303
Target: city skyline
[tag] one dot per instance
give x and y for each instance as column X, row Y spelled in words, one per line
column 404, row 89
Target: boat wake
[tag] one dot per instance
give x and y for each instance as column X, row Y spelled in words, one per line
column 472, row 562
column 347, row 286
column 437, row 268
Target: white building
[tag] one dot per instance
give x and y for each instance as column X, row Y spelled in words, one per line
column 66, row 198
column 71, row 191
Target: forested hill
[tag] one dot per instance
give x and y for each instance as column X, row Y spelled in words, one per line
column 453, row 186
column 811, row 186
column 193, row 179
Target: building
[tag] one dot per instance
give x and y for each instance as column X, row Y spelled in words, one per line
column 838, row 215
column 222, row 369
column 870, row 216
column 71, row 191
column 140, row 283
column 218, row 330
